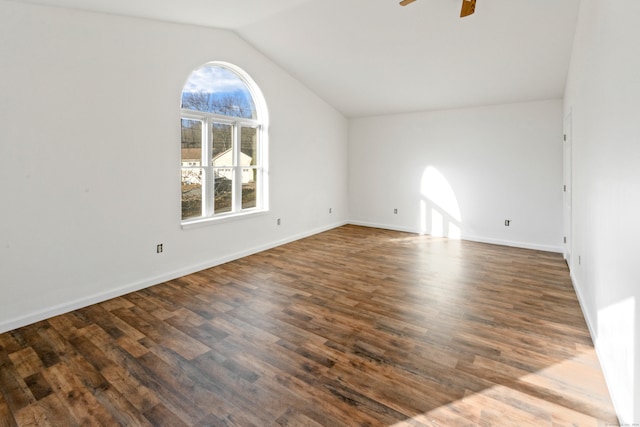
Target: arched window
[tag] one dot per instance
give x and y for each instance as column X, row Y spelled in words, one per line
column 223, row 144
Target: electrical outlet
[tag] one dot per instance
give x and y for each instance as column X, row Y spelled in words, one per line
column 278, row 221
column 507, row 222
column 159, row 248
column 395, row 211
column 330, row 210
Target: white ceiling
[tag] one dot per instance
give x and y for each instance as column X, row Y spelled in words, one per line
column 370, row 57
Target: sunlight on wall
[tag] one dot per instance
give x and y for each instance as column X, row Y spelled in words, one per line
column 439, row 210
column 616, row 342
column 437, row 223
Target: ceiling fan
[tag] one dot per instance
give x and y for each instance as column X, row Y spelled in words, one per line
column 468, row 6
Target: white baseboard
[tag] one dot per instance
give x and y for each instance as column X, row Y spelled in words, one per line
column 524, row 245
column 594, row 337
column 384, row 226
column 46, row 313
column 583, row 307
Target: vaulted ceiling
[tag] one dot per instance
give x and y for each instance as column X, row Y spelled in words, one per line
column 373, row 57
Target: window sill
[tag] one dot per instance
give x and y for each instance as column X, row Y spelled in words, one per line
column 202, row 222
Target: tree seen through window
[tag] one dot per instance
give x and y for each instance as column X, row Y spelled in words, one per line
column 221, row 143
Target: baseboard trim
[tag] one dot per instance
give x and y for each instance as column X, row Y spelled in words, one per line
column 594, row 338
column 583, row 306
column 524, row 245
column 384, row 226
column 59, row 309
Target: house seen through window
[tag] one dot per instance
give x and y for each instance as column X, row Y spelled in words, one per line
column 223, row 153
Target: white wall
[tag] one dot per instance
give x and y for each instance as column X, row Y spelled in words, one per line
column 89, row 158
column 89, row 167
column 500, row 162
column 603, row 97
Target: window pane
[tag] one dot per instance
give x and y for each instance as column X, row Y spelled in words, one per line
column 221, row 151
column 215, row 89
column 191, row 146
column 249, row 194
column 248, row 146
column 223, row 190
column 222, row 154
column 191, row 193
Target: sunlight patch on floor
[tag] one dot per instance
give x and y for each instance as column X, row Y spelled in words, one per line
column 502, row 405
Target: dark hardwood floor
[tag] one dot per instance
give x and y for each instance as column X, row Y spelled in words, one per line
column 352, row 327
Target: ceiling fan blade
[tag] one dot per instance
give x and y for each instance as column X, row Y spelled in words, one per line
column 468, row 7
column 406, row 2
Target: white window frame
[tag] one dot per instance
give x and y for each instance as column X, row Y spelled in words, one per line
column 237, row 123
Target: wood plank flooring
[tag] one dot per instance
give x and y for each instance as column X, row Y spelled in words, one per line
column 351, row 327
